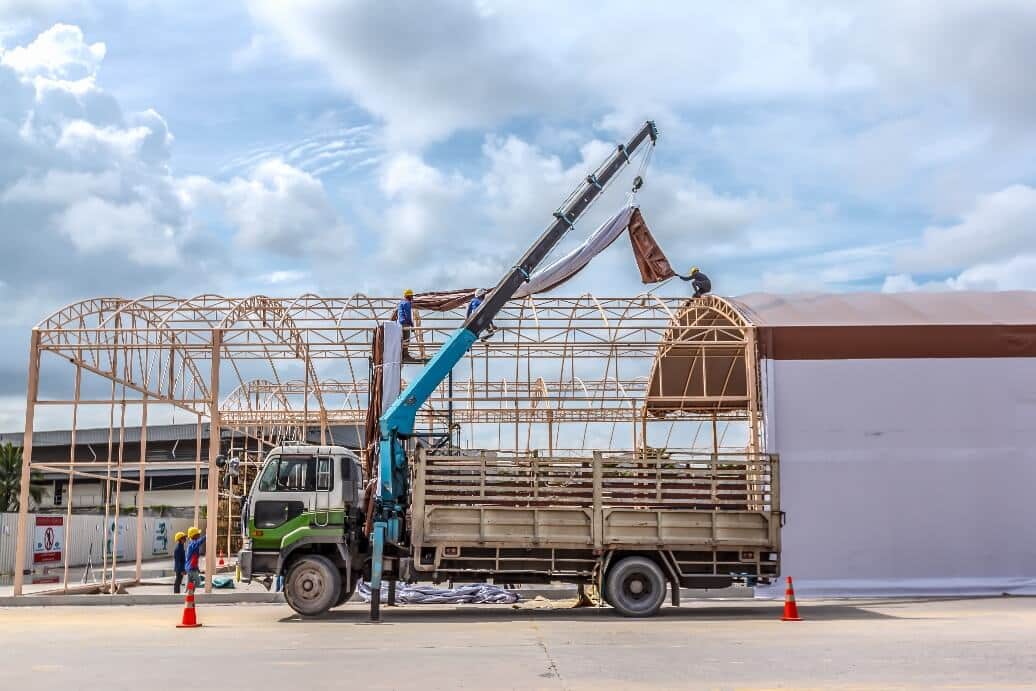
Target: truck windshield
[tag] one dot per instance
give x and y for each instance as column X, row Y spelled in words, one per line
column 289, row 474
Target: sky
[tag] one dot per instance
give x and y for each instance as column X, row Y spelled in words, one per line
column 264, row 147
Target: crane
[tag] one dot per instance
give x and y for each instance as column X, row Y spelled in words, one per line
column 396, row 425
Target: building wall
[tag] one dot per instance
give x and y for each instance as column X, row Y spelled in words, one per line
column 86, row 538
column 906, row 476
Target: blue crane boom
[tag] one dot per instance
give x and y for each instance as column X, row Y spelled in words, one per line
column 397, row 423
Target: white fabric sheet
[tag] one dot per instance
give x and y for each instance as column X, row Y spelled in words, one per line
column 391, row 360
column 573, row 262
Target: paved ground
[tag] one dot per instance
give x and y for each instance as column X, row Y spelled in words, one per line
column 981, row 643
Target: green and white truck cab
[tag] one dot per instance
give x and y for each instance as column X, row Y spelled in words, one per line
column 303, row 520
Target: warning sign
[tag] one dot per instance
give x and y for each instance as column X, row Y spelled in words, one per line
column 49, row 539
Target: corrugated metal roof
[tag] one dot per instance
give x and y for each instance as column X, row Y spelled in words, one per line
column 345, row 435
column 99, row 435
column 972, row 308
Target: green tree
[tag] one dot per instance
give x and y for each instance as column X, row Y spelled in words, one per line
column 11, row 479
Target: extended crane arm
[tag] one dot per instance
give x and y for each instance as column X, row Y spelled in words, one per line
column 397, row 422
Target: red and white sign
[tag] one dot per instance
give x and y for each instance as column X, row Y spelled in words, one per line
column 49, row 539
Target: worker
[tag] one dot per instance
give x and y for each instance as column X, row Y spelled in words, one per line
column 480, row 296
column 179, row 560
column 405, row 317
column 701, row 283
column 193, row 556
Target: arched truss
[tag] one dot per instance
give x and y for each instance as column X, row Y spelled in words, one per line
column 303, row 362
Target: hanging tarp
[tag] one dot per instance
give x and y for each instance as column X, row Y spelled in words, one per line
column 651, row 260
column 564, row 268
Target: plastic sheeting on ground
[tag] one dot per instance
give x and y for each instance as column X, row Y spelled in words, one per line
column 474, row 594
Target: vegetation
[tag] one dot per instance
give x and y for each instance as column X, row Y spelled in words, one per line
column 11, row 479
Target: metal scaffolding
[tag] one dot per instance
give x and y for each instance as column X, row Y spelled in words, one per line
column 560, row 374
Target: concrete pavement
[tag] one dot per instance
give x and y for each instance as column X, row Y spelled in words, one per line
column 982, row 643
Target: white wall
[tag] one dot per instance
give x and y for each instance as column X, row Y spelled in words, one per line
column 906, row 476
column 85, row 538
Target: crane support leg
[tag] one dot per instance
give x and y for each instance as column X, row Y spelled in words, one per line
column 378, row 552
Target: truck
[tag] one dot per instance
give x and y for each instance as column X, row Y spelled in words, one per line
column 634, row 524
column 634, row 527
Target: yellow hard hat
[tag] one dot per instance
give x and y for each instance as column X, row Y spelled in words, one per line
column 408, row 293
column 694, row 270
column 193, row 532
column 179, row 536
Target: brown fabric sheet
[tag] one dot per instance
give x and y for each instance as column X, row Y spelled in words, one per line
column 651, row 260
column 371, row 433
column 443, row 301
column 906, row 341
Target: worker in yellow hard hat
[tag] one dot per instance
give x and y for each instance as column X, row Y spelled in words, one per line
column 405, row 317
column 179, row 560
column 193, row 556
column 701, row 283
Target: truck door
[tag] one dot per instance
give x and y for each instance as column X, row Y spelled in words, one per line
column 325, row 483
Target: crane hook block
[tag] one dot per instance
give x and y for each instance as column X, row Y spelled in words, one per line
column 638, row 182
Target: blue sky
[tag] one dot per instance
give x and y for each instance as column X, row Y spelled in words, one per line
column 271, row 147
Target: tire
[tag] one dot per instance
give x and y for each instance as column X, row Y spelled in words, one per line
column 636, row 587
column 346, row 592
column 313, row 585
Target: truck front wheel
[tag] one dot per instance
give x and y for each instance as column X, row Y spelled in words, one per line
column 636, row 587
column 313, row 585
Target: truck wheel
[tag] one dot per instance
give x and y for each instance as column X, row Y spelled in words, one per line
column 346, row 592
column 313, row 585
column 636, row 587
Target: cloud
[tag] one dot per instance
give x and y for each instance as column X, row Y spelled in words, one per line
column 59, row 53
column 1000, row 225
column 284, row 210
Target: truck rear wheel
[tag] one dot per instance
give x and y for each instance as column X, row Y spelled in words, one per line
column 313, row 585
column 636, row 587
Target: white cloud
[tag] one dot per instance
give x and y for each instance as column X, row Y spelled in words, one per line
column 284, row 210
column 999, row 226
column 59, row 53
column 96, row 225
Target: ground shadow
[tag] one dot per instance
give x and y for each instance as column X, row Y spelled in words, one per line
column 711, row 611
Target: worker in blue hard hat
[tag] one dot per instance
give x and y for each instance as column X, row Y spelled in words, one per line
column 699, row 281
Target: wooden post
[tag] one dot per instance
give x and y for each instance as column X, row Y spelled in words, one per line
column 32, row 389
column 197, row 472
column 71, row 474
column 140, row 490
column 212, row 502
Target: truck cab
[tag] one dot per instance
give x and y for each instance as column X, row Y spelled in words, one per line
column 303, row 521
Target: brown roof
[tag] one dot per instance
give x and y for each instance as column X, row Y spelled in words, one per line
column 890, row 309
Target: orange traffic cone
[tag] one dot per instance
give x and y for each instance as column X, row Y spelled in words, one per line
column 190, row 618
column 791, row 610
column 221, row 562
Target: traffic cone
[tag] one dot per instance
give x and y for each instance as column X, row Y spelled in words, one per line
column 791, row 610
column 221, row 562
column 190, row 618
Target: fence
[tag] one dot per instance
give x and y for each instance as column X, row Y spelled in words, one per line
column 86, row 539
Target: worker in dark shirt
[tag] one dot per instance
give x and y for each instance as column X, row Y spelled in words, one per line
column 701, row 283
column 405, row 317
column 179, row 560
column 480, row 296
